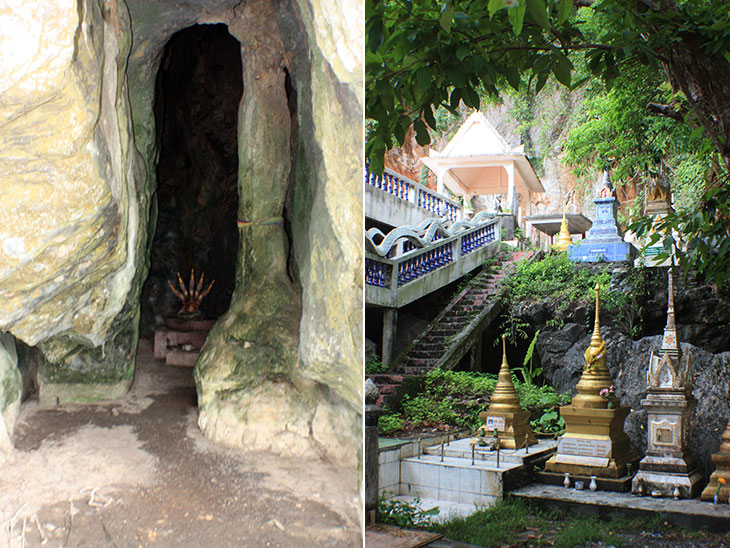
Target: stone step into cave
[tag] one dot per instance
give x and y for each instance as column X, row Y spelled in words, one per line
column 414, row 370
column 181, row 358
column 166, row 339
column 387, row 390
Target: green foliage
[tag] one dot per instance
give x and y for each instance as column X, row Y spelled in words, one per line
column 492, row 526
column 549, row 423
column 403, row 513
column 374, row 365
column 518, row 522
column 580, row 532
column 626, row 306
column 529, row 373
column 424, row 410
column 555, row 278
column 703, row 242
column 455, row 398
column 688, row 182
column 389, row 424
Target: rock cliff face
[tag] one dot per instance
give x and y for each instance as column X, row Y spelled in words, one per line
column 78, row 158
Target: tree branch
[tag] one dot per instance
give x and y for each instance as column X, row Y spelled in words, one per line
column 665, row 110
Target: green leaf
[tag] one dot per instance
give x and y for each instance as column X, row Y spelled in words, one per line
column 455, row 98
column 428, row 116
column 423, row 79
column 541, row 63
column 422, row 136
column 562, row 73
column 516, row 16
column 375, row 35
column 471, row 98
column 462, row 51
column 456, row 77
column 565, row 7
column 538, row 11
column 513, row 76
column 541, row 79
column 495, row 6
column 447, row 17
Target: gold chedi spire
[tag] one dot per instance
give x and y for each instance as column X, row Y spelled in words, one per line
column 504, row 398
column 505, row 413
column 595, row 373
column 564, row 240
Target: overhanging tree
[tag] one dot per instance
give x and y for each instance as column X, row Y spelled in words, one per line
column 421, row 55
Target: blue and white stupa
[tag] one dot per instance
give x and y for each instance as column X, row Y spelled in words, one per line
column 604, row 241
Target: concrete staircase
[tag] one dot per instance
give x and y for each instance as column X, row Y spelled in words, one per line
column 454, row 331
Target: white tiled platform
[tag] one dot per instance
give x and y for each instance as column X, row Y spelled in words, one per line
column 447, row 509
column 454, row 479
column 457, row 478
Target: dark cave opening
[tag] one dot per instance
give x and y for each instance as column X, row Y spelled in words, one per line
column 198, row 90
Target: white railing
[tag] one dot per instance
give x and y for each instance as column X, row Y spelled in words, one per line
column 434, row 246
column 415, row 193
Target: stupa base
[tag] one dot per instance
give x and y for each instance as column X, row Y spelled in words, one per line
column 616, row 485
column 594, row 444
column 513, row 430
column 722, row 462
column 667, row 484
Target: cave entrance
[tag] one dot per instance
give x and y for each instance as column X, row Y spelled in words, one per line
column 198, row 90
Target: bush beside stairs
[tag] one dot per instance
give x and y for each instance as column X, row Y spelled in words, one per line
column 453, row 332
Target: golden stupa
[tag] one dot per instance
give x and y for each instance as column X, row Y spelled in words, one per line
column 505, row 413
column 564, row 239
column 594, row 443
column 722, row 470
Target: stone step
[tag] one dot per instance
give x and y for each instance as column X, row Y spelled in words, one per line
column 388, row 389
column 415, row 370
column 181, row 358
column 384, row 378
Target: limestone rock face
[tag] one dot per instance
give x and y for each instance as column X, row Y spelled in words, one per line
column 11, row 384
column 73, row 216
column 70, row 213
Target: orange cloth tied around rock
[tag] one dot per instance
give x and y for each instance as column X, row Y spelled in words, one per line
column 271, row 221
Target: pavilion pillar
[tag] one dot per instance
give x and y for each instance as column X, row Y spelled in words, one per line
column 511, row 191
column 390, row 327
column 440, row 186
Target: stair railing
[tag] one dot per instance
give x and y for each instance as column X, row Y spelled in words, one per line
column 415, row 193
column 434, row 246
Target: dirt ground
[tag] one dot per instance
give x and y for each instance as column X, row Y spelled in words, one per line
column 137, row 472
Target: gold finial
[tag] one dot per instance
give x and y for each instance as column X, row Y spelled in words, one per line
column 595, row 354
column 504, row 352
column 596, row 337
column 564, row 240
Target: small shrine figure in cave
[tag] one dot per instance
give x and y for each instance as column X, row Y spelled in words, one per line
column 191, row 297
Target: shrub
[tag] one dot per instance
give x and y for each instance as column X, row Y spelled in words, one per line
column 389, row 424
column 374, row 365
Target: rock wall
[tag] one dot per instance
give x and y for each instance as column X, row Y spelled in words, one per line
column 74, row 215
column 282, row 368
